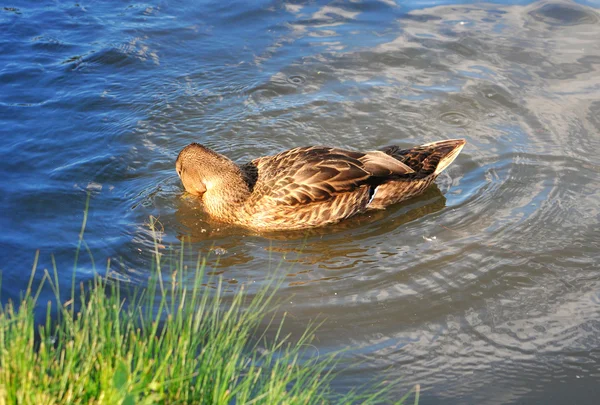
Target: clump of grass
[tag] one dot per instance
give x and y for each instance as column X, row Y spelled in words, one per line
column 171, row 343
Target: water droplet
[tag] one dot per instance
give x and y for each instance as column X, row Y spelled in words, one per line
column 93, row 186
column 219, row 251
column 296, row 79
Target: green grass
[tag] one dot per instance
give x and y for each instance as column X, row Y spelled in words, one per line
column 173, row 342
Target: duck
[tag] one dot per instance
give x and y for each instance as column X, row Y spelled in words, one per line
column 310, row 186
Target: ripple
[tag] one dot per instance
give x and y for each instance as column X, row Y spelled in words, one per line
column 297, row 80
column 455, row 119
column 564, row 14
column 262, row 96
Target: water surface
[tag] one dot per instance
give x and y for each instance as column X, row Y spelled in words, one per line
column 484, row 290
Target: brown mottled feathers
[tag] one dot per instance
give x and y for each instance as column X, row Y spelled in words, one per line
column 310, row 186
column 427, row 161
column 311, row 174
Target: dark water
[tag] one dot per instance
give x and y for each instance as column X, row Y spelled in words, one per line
column 485, row 290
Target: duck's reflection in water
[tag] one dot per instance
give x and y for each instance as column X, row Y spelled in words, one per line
column 231, row 247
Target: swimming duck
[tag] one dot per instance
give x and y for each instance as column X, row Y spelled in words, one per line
column 310, row 186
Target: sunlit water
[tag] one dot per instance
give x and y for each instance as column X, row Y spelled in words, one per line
column 484, row 290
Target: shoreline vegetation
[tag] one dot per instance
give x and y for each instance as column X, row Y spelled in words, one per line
column 170, row 342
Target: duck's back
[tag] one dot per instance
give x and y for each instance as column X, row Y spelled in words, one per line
column 313, row 186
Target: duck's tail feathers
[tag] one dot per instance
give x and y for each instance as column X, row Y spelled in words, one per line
column 447, row 151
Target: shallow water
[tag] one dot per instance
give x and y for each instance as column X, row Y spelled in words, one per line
column 484, row 290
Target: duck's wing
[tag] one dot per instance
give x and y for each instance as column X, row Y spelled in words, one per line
column 380, row 164
column 312, row 174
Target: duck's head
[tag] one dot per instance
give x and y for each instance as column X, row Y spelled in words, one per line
column 195, row 167
column 204, row 171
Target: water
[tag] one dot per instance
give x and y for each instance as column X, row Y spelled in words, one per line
column 484, row 290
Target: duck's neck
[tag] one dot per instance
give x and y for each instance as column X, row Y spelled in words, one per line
column 226, row 193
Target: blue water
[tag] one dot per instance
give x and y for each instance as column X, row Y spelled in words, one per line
column 484, row 290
